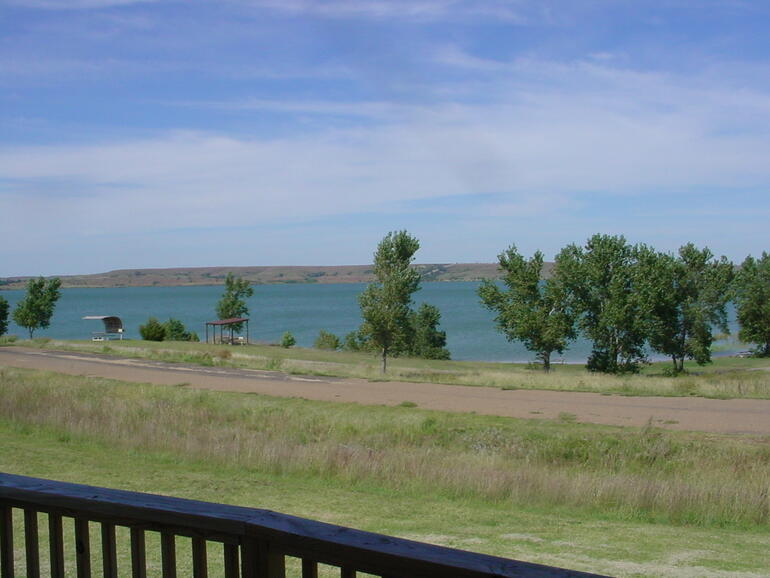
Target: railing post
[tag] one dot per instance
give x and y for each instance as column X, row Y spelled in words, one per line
column 56, row 545
column 109, row 551
column 271, row 563
column 31, row 543
column 249, row 556
column 231, row 561
column 168, row 554
column 309, row 568
column 259, row 560
column 82, row 548
column 138, row 555
column 200, row 562
column 6, row 542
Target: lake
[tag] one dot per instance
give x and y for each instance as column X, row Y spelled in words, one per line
column 303, row 309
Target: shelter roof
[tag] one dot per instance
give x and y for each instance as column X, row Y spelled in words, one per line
column 231, row 321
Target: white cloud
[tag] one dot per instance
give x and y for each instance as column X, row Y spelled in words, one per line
column 545, row 139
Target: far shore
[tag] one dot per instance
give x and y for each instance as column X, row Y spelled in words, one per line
column 202, row 276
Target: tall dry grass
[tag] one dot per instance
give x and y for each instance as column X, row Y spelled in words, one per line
column 645, row 474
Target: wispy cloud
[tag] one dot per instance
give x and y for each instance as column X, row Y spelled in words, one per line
column 420, row 10
column 259, row 115
column 377, row 111
column 74, row 4
column 537, row 152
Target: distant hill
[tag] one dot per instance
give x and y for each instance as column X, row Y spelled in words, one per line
column 261, row 275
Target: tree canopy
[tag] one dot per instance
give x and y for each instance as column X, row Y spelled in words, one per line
column 599, row 279
column 233, row 301
column 385, row 303
column 685, row 297
column 529, row 310
column 427, row 340
column 752, row 298
column 35, row 310
column 3, row 316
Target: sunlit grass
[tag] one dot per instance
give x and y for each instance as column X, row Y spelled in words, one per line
column 645, row 474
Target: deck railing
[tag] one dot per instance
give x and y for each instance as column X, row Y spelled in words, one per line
column 255, row 543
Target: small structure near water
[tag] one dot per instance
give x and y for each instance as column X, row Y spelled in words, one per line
column 113, row 328
column 227, row 326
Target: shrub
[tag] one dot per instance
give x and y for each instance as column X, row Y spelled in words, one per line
column 326, row 340
column 175, row 331
column 153, row 330
column 287, row 340
column 354, row 341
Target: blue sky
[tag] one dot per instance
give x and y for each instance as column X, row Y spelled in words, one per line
column 141, row 133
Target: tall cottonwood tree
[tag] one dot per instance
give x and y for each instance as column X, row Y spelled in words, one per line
column 685, row 297
column 752, row 299
column 3, row 316
column 35, row 310
column 599, row 279
column 427, row 340
column 385, row 303
column 233, row 301
column 529, row 309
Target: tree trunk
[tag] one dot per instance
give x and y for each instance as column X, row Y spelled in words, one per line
column 384, row 359
column 545, row 356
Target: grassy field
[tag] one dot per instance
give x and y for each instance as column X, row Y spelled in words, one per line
column 725, row 378
column 616, row 500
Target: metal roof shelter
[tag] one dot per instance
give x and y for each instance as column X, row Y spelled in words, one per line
column 113, row 326
column 230, row 324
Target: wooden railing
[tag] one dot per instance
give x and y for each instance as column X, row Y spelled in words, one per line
column 255, row 543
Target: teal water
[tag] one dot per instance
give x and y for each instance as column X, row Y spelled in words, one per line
column 303, row 309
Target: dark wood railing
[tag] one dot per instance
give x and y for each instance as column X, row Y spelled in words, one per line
column 255, row 543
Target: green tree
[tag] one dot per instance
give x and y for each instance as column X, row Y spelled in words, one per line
column 530, row 309
column 288, row 340
column 153, row 330
column 3, row 316
column 233, row 301
column 599, row 282
column 685, row 296
column 752, row 299
column 326, row 340
column 427, row 341
column 174, row 330
column 35, row 310
column 355, row 341
column 385, row 303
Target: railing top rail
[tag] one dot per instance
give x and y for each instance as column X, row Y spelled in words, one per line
column 319, row 541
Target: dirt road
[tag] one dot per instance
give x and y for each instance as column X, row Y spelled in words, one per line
column 742, row 416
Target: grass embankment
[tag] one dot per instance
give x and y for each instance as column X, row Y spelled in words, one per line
column 646, row 474
column 725, row 378
column 616, row 500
